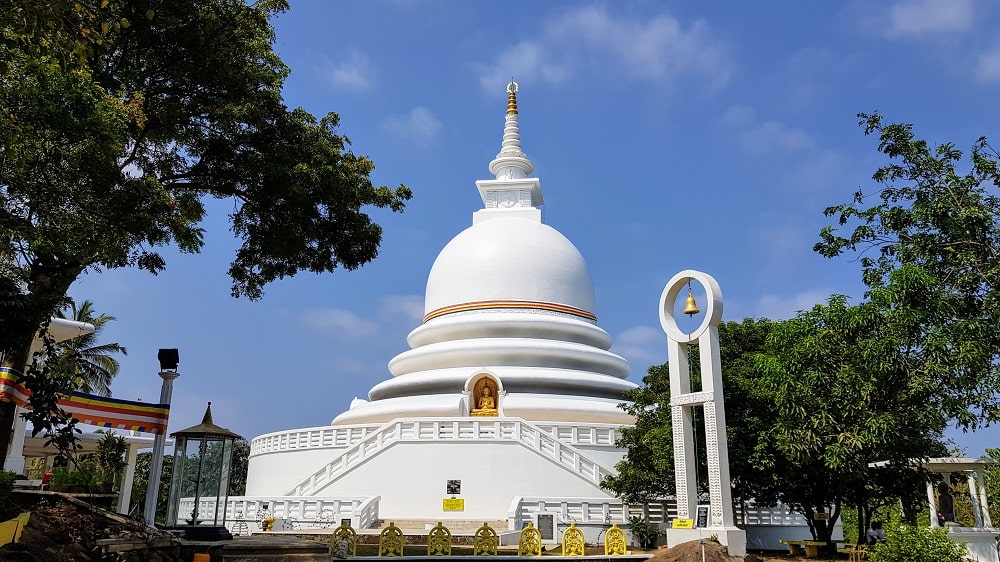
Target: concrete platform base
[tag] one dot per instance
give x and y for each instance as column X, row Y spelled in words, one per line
column 273, row 549
column 734, row 539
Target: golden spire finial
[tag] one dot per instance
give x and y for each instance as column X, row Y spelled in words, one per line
column 512, row 97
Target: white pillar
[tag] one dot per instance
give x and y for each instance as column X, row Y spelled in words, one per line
column 932, row 502
column 15, row 455
column 685, row 461
column 721, row 522
column 156, row 465
column 974, row 496
column 984, row 504
column 125, row 497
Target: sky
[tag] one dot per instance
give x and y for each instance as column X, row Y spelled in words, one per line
column 667, row 136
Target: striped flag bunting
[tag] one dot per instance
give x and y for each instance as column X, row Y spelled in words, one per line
column 94, row 410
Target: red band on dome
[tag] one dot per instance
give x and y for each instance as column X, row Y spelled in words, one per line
column 503, row 304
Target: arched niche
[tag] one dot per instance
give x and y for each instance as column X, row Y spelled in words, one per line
column 484, row 394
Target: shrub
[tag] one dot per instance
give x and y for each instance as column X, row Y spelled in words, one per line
column 906, row 543
column 6, row 486
column 645, row 533
column 110, row 458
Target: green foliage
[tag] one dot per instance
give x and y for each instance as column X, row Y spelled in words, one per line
column 110, row 457
column 6, row 487
column 928, row 249
column 909, row 543
column 45, row 416
column 240, row 464
column 91, row 363
column 991, row 479
column 647, row 471
column 839, row 377
column 141, row 482
column 645, row 533
column 119, row 120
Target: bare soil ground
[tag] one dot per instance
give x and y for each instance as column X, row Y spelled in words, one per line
column 714, row 552
column 67, row 530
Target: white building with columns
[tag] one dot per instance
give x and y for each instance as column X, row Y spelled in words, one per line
column 506, row 405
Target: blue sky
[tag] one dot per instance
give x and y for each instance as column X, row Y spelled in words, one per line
column 667, row 136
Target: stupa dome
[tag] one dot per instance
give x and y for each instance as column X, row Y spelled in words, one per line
column 509, row 259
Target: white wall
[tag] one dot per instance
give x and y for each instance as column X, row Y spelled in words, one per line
column 411, row 478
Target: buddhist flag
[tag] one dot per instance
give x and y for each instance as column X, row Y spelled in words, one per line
column 94, row 410
column 10, row 389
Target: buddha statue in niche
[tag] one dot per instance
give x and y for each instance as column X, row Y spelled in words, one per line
column 485, row 401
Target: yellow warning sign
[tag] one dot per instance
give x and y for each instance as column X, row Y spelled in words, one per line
column 453, row 504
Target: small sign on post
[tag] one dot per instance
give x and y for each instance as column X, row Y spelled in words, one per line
column 546, row 526
column 683, row 524
column 453, row 504
column 702, row 516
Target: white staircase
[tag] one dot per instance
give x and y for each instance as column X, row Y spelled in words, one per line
column 440, row 430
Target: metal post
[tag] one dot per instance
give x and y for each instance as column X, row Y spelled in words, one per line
column 156, row 465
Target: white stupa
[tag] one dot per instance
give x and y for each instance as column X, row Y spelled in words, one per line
column 508, row 394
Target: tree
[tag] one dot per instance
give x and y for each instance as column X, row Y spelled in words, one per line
column 647, row 471
column 991, row 479
column 118, row 120
column 840, row 378
column 91, row 363
column 140, row 482
column 929, row 245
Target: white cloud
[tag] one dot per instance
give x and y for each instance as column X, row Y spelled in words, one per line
column 919, row 17
column 988, row 66
column 525, row 59
column 405, row 309
column 781, row 307
column 419, row 125
column 590, row 38
column 339, row 321
column 642, row 346
column 356, row 73
column 738, row 116
column 772, row 136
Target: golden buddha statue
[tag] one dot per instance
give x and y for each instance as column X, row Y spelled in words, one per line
column 486, row 405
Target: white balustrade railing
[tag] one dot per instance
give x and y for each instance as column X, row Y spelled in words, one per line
column 244, row 514
column 582, row 511
column 444, row 429
column 332, row 437
column 327, row 437
column 602, row 510
column 601, row 435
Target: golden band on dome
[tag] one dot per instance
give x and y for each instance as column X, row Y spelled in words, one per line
column 510, row 305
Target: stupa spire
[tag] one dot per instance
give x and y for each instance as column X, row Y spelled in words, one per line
column 511, row 163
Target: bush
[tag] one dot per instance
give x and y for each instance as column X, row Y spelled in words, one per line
column 645, row 533
column 6, row 486
column 905, row 543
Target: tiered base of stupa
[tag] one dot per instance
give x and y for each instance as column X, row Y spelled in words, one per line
column 449, row 468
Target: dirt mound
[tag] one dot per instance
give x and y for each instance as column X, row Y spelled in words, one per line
column 63, row 530
column 691, row 552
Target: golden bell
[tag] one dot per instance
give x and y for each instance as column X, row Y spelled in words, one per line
column 690, row 307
